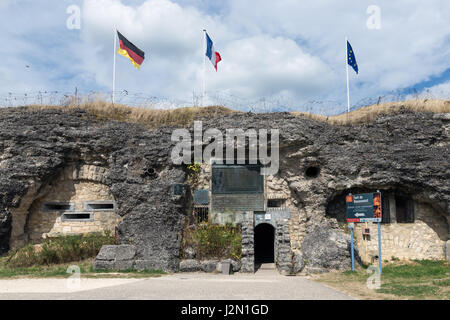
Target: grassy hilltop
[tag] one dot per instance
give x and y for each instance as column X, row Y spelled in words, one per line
column 153, row 118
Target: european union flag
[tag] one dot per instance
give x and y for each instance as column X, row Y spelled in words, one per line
column 351, row 58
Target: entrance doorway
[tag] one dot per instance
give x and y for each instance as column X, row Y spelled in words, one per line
column 264, row 243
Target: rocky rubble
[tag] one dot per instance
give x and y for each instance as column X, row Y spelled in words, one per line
column 115, row 257
column 209, row 266
column 324, row 249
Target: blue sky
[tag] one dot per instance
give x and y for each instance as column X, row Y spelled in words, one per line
column 278, row 55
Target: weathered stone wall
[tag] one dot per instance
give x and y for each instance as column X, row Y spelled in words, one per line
column 42, row 223
column 407, row 151
column 75, row 185
column 423, row 239
column 275, row 188
column 18, row 219
column 193, row 265
column 248, row 245
column 36, row 146
column 278, row 188
column 283, row 251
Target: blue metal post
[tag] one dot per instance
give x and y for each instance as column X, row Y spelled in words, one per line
column 353, row 254
column 379, row 247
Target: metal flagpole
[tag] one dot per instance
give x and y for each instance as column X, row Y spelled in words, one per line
column 114, row 67
column 346, row 66
column 204, row 69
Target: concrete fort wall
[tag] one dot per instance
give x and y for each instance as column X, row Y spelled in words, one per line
column 404, row 151
column 76, row 202
column 422, row 239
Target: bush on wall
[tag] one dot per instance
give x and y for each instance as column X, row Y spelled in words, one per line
column 213, row 241
column 60, row 250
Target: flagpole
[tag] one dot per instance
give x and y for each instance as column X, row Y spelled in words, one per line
column 346, row 66
column 204, row 69
column 114, row 66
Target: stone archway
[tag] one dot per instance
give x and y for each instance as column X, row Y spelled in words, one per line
column 264, row 243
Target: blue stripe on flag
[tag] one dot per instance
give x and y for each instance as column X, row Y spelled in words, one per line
column 209, row 45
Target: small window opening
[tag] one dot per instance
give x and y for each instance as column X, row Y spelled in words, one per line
column 275, row 203
column 76, row 216
column 366, row 234
column 55, row 206
column 312, row 172
column 404, row 209
column 385, row 209
column 201, row 214
column 99, row 206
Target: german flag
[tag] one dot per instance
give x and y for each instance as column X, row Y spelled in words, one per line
column 129, row 50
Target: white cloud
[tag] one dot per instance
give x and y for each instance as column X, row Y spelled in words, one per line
column 171, row 36
column 411, row 46
column 35, row 50
column 4, row 4
column 264, row 66
column 273, row 49
column 441, row 90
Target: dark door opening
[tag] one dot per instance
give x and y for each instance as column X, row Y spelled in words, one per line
column 264, row 243
column 404, row 208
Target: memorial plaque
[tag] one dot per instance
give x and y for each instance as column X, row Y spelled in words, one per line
column 237, row 179
column 201, row 197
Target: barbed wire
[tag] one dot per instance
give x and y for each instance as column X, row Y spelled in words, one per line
column 272, row 104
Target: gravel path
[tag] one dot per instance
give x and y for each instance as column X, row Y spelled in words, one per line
column 265, row 284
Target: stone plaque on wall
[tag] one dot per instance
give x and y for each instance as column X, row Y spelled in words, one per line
column 237, row 179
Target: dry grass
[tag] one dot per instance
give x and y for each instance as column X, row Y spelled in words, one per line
column 154, row 118
column 370, row 113
column 150, row 118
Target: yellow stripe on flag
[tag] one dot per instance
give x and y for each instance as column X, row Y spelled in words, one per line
column 125, row 54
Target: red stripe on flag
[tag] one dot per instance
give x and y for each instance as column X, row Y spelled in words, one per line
column 218, row 59
column 138, row 59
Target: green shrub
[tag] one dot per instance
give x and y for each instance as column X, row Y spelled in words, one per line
column 23, row 257
column 60, row 250
column 193, row 173
column 215, row 241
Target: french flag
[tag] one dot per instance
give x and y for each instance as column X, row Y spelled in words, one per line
column 212, row 55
